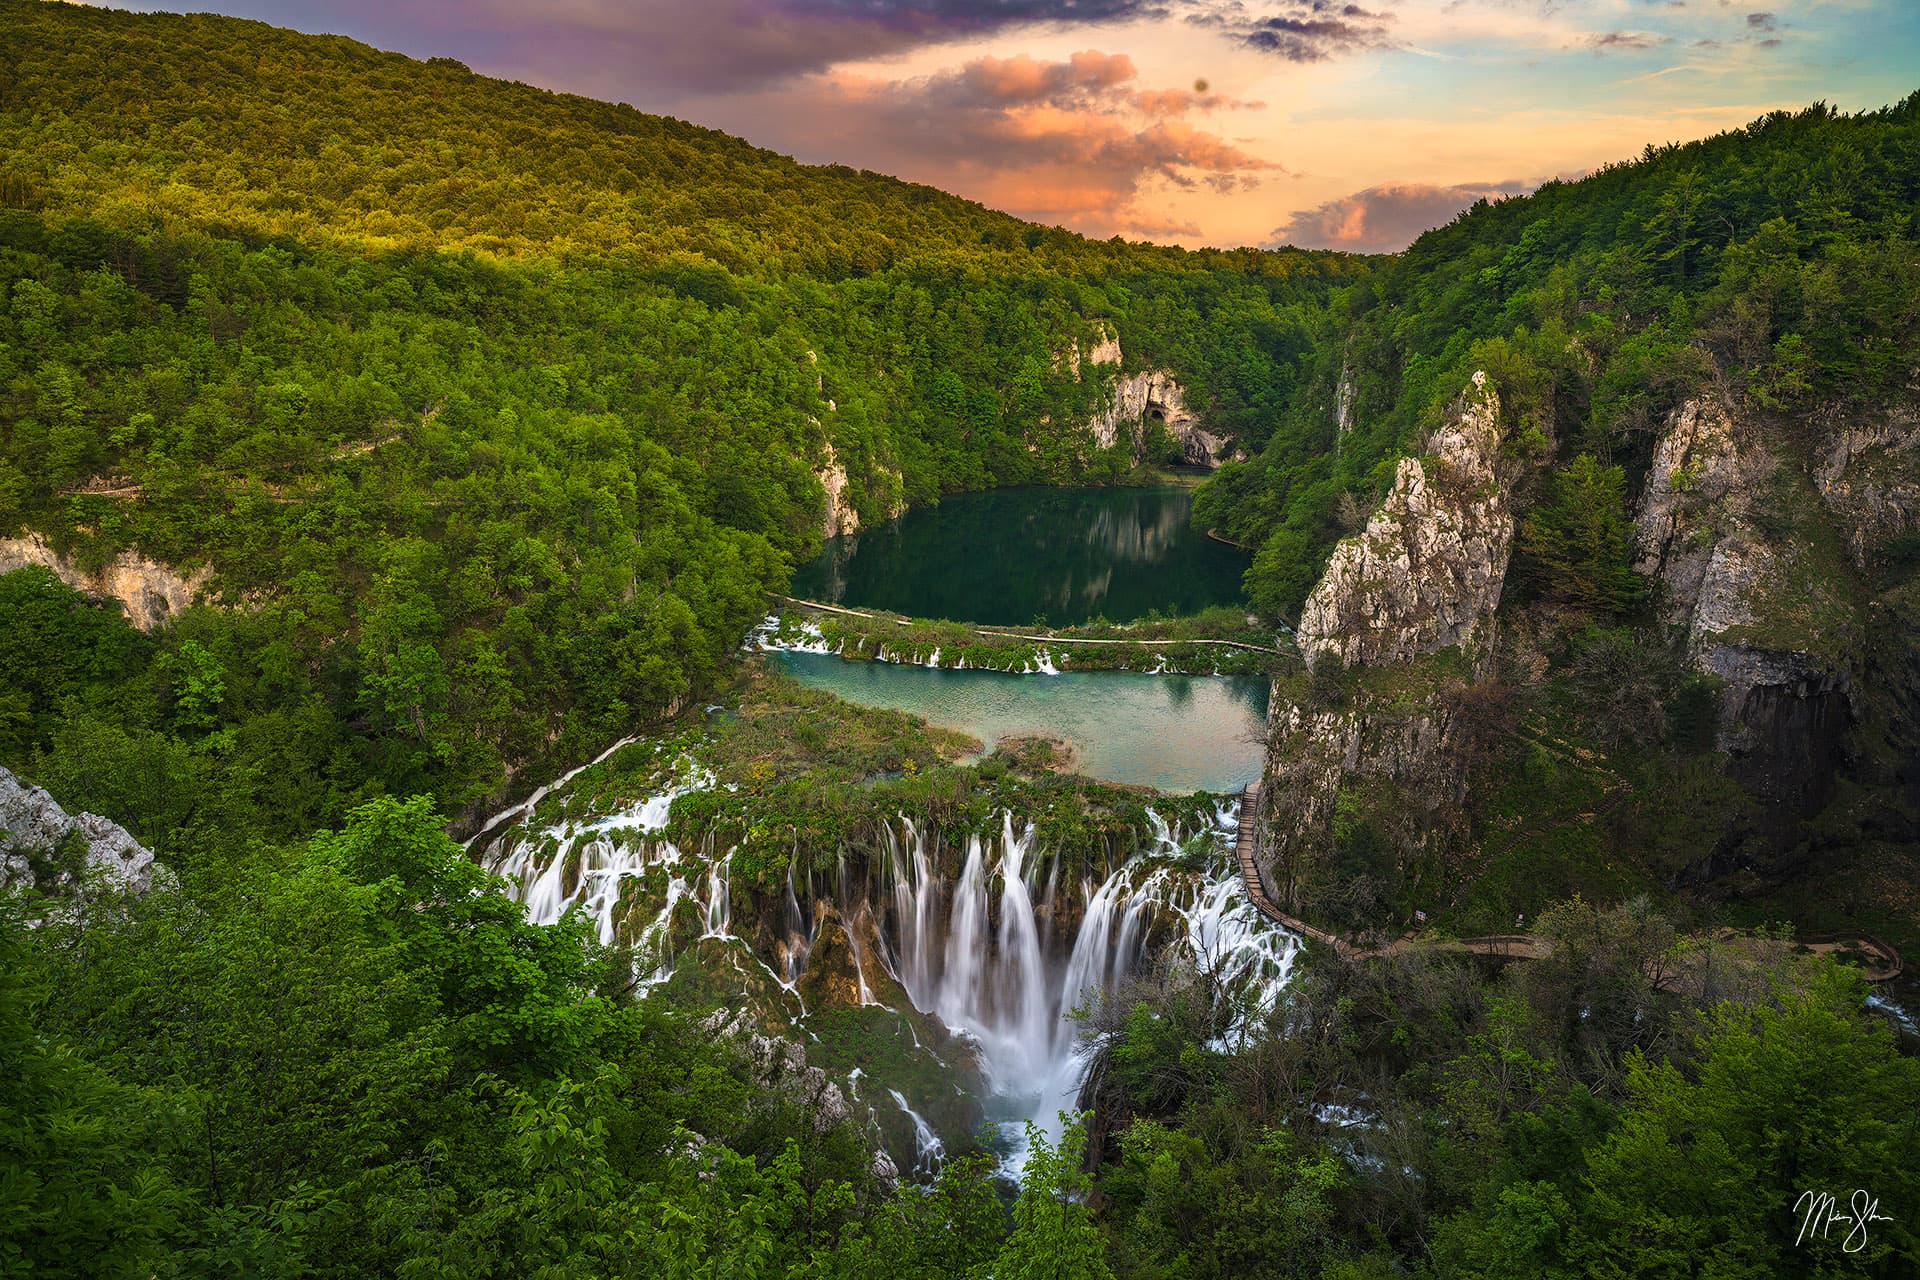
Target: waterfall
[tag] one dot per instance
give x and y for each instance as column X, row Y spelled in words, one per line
column 927, row 1148
column 993, row 953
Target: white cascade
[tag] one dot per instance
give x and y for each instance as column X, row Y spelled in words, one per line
column 995, row 953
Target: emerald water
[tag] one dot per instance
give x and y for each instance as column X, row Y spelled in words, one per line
column 1176, row 733
column 1015, row 556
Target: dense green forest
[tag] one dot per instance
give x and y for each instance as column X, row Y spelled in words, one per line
column 495, row 414
column 352, row 1055
column 500, row 409
column 1779, row 259
column 1773, row 270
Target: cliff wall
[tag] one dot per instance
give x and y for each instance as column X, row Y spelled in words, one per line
column 151, row 592
column 44, row 847
column 1779, row 552
column 1426, row 573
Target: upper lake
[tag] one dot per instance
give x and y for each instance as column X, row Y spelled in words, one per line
column 1017, row 556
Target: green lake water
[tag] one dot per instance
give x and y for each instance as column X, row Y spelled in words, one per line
column 1176, row 733
column 1016, row 556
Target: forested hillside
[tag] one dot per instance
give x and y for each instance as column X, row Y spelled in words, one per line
column 495, row 411
column 1621, row 482
column 491, row 416
column 1778, row 259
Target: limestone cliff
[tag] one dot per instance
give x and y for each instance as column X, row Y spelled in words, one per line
column 1748, row 570
column 1344, row 392
column 1780, row 554
column 151, row 592
column 1136, row 402
column 841, row 514
column 45, row 847
column 1104, row 351
column 1426, row 573
column 1363, row 748
column 779, row 1066
column 1869, row 477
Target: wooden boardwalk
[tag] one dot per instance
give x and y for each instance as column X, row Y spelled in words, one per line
column 1247, row 847
column 1882, row 963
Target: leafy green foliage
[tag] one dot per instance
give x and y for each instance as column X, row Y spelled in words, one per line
column 500, row 410
column 1054, row 1236
column 1578, row 540
column 1777, row 259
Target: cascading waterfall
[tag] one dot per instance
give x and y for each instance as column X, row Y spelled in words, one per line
column 927, row 1147
column 988, row 954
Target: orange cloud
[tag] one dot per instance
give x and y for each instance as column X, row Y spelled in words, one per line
column 1389, row 217
column 1075, row 141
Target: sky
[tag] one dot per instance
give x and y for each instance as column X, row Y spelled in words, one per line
column 1324, row 123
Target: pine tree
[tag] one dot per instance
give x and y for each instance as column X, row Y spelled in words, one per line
column 1579, row 541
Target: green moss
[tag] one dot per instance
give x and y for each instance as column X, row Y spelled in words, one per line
column 1172, row 645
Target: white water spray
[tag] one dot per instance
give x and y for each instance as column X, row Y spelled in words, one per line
column 997, row 966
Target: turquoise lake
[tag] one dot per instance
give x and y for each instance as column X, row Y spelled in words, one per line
column 1017, row 556
column 1176, row 733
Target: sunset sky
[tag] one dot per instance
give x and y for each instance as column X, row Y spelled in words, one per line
column 1313, row 122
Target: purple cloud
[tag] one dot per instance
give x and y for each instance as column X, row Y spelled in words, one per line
column 1389, row 217
column 1300, row 30
column 657, row 52
column 1076, row 141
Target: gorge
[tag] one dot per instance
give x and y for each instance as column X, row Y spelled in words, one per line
column 580, row 698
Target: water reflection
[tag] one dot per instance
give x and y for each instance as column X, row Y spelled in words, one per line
column 1177, row 733
column 1016, row 556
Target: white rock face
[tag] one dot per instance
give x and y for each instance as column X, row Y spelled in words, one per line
column 1427, row 572
column 33, row 827
column 1694, row 497
column 780, row 1066
column 1784, row 701
column 1105, row 351
column 1343, row 394
column 151, row 591
column 1869, row 476
column 1133, row 402
column 840, row 516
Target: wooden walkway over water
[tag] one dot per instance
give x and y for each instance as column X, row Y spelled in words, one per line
column 1882, row 963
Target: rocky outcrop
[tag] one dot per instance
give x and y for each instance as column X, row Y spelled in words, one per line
column 1104, row 351
column 1426, row 573
column 150, row 591
column 1697, row 473
column 1154, row 397
column 1394, row 757
column 1343, row 395
column 45, row 847
column 1869, row 477
column 1137, row 401
column 779, row 1067
column 840, row 516
column 1757, row 607
column 1363, row 773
